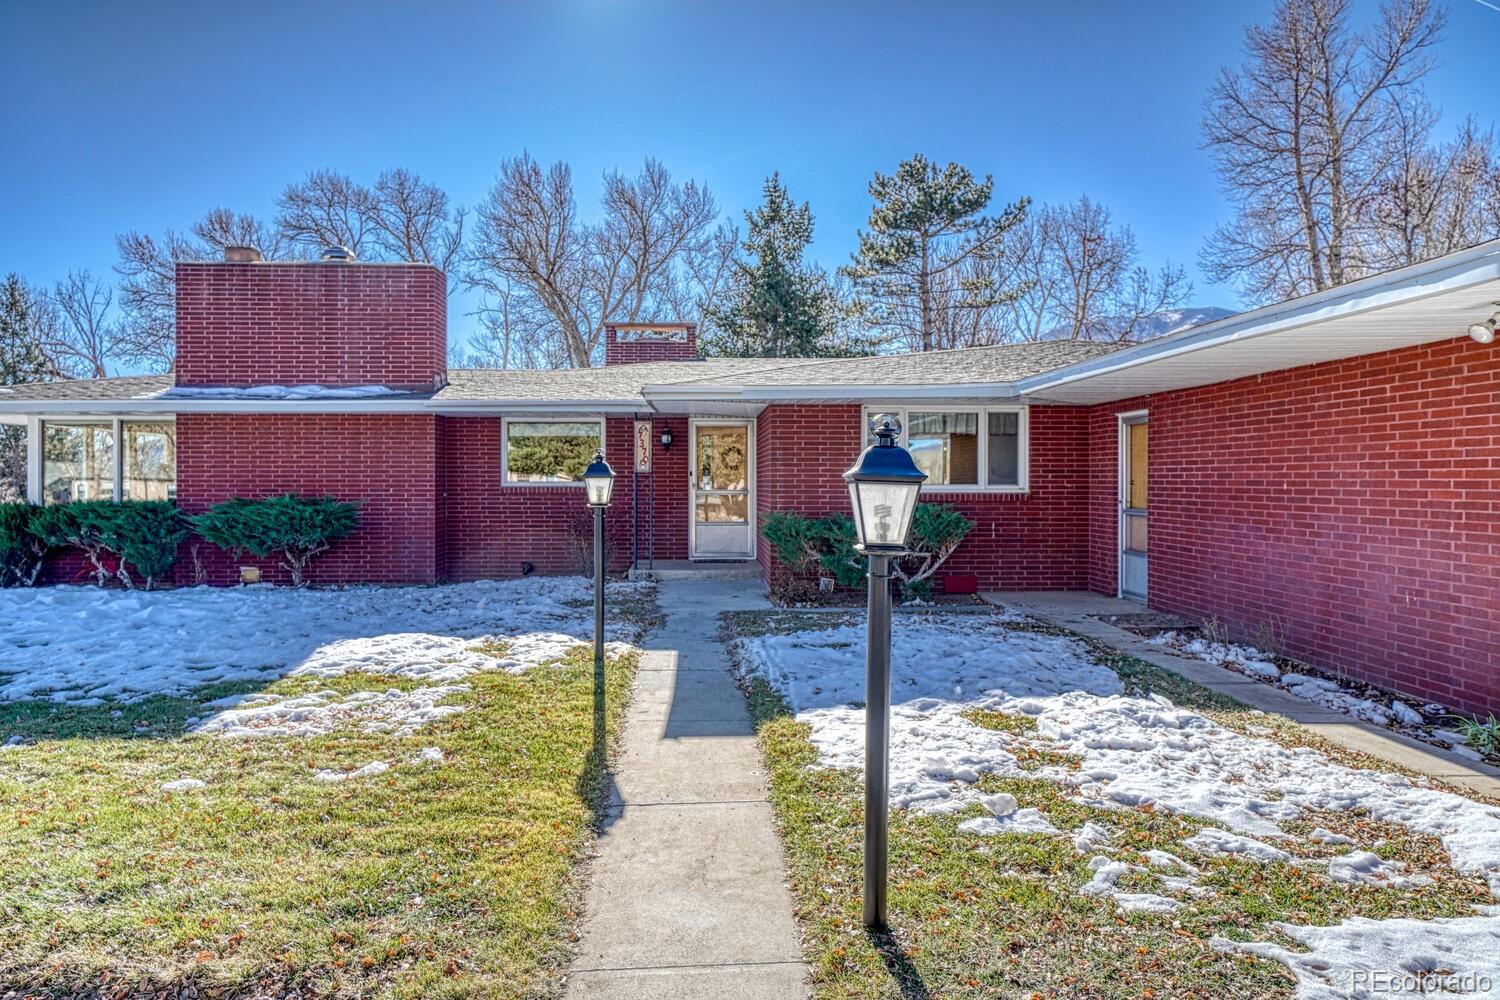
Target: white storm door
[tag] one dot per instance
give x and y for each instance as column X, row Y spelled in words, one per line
column 721, row 500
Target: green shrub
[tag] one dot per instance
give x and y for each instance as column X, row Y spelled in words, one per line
column 295, row 528
column 936, row 530
column 828, row 543
column 82, row 524
column 794, row 538
column 143, row 534
column 21, row 551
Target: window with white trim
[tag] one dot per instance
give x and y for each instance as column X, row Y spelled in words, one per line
column 548, row 452
column 82, row 460
column 963, row 448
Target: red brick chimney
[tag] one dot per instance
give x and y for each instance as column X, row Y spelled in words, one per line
column 333, row 322
column 632, row 343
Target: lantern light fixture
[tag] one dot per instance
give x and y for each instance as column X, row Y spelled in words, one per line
column 666, row 439
column 599, row 481
column 883, row 489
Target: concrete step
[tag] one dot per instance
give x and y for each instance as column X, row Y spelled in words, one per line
column 685, row 569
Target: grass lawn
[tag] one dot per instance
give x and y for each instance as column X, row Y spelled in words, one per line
column 432, row 879
column 1002, row 916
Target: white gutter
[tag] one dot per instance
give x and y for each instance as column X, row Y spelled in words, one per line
column 112, row 407
column 1454, row 272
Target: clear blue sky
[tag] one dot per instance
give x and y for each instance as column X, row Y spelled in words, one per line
column 120, row 116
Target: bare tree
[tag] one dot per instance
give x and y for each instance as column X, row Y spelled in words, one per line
column 582, row 275
column 1097, row 290
column 513, row 333
column 691, row 290
column 326, row 209
column 148, row 278
column 77, row 329
column 400, row 218
column 1300, row 139
column 1432, row 199
column 413, row 221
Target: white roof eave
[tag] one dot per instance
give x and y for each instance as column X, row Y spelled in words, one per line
column 1455, row 272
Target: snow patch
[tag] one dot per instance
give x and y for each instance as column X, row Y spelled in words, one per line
column 83, row 644
column 368, row 771
column 399, row 713
column 1362, row 957
column 1107, row 873
column 1365, row 868
column 1016, row 821
column 275, row 392
column 1322, row 836
column 1091, row 838
column 1214, row 841
column 183, row 785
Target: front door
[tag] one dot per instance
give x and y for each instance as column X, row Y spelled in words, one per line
column 721, row 463
column 1134, row 448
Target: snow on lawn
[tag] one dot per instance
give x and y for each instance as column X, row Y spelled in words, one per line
column 1457, row 956
column 1252, row 662
column 1134, row 751
column 83, row 645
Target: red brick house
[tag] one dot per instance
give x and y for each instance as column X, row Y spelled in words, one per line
column 1329, row 464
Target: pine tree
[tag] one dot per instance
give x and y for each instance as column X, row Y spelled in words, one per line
column 21, row 360
column 921, row 266
column 21, row 356
column 777, row 306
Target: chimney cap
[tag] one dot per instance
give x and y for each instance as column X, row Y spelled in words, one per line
column 338, row 253
column 242, row 254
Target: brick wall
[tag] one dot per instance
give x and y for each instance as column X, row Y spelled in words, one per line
column 489, row 529
column 388, row 463
column 1032, row 541
column 1353, row 502
column 666, row 488
column 627, row 345
column 321, row 323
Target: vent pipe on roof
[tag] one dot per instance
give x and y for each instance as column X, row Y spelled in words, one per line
column 340, row 255
column 242, row 255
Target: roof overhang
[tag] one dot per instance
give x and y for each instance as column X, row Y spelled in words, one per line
column 664, row 396
column 1424, row 303
column 11, row 410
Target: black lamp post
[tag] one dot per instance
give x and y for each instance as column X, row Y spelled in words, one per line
column 883, row 488
column 599, row 485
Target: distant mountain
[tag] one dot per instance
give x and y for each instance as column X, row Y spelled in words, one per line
column 1176, row 320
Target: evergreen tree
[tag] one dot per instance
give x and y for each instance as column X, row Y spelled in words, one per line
column 776, row 306
column 21, row 356
column 21, row 360
column 920, row 268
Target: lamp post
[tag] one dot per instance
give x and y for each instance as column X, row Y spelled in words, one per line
column 599, row 485
column 883, row 488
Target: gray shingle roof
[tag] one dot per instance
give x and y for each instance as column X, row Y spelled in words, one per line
column 88, row 390
column 624, row 383
column 1003, row 363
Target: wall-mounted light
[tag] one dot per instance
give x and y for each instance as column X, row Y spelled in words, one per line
column 666, row 439
column 1484, row 333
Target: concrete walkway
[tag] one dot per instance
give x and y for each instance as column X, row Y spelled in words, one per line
column 1076, row 611
column 687, row 896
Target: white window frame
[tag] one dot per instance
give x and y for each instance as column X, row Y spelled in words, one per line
column 36, row 460
column 505, row 422
column 1023, row 442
